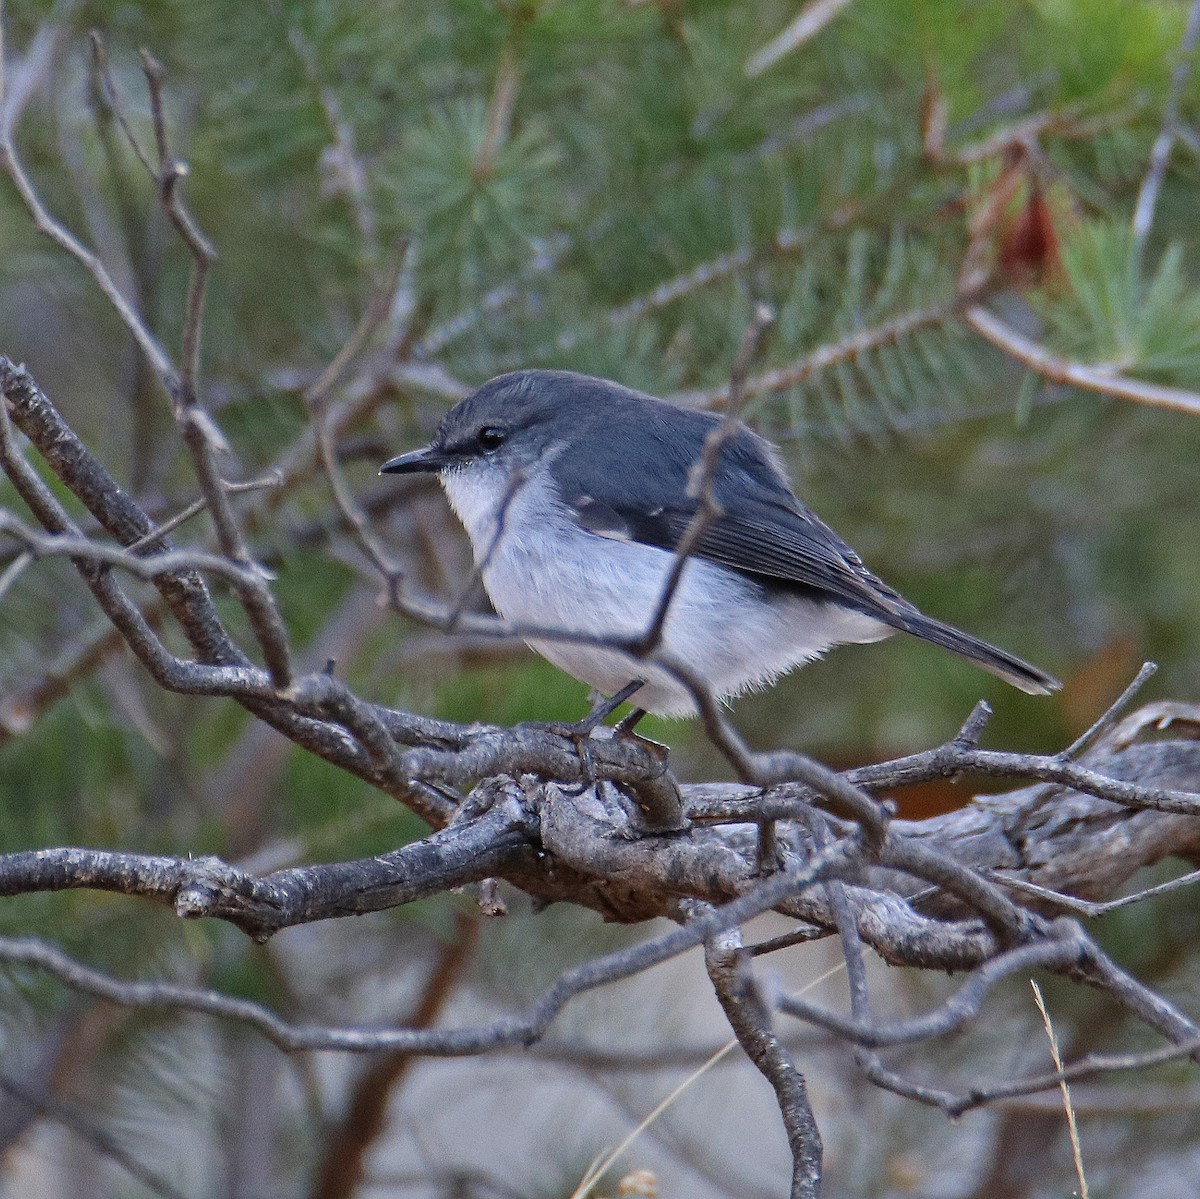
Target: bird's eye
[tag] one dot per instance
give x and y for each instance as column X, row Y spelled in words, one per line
column 490, row 438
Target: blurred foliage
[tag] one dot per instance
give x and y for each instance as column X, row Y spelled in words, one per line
column 599, row 185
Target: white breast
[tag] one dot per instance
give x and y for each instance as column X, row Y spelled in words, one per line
column 542, row 569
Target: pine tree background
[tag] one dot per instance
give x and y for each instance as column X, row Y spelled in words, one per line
column 604, row 187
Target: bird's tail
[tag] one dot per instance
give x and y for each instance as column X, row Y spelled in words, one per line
column 999, row 662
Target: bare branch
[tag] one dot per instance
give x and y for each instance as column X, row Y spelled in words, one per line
column 961, row 755
column 951, row 1016
column 197, row 506
column 507, row 1032
column 751, row 1023
column 1076, row 374
column 813, row 17
column 317, row 392
column 222, row 667
column 153, row 566
column 342, row 156
column 1147, row 201
column 115, row 103
column 171, row 173
column 1109, row 716
column 199, row 432
column 463, row 853
column 849, row 348
column 10, row 106
column 14, row 570
column 1083, row 907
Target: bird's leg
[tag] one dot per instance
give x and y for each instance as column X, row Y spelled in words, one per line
column 603, row 710
column 581, row 731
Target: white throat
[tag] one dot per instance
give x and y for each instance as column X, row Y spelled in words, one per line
column 480, row 495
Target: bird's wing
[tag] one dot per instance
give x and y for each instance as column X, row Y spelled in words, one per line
column 777, row 542
column 764, row 531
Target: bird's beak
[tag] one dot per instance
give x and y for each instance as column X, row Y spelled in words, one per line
column 428, row 460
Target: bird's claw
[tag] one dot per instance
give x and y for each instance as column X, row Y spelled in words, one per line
column 580, row 732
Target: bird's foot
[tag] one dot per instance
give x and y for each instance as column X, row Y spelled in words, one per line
column 580, row 732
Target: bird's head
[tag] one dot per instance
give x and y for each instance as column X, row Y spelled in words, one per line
column 511, row 422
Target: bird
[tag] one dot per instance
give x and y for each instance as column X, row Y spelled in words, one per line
column 577, row 492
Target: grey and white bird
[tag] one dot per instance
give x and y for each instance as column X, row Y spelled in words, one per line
column 575, row 494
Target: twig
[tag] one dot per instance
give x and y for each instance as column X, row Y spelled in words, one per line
column 951, row 759
column 327, row 423
column 158, row 358
column 376, row 312
column 1076, row 374
column 1147, row 200
column 222, row 667
column 200, row 434
column 169, row 562
column 356, row 520
column 1021, row 133
column 271, row 479
column 1084, row 907
column 813, row 17
column 1122, row 1102
column 1109, row 717
column 948, row 1017
column 751, row 1023
column 113, row 97
column 1159, row 716
column 170, row 176
column 1087, row 1067
column 849, row 348
column 788, row 243
column 1010, row 923
column 767, row 769
column 343, row 155
column 13, row 571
